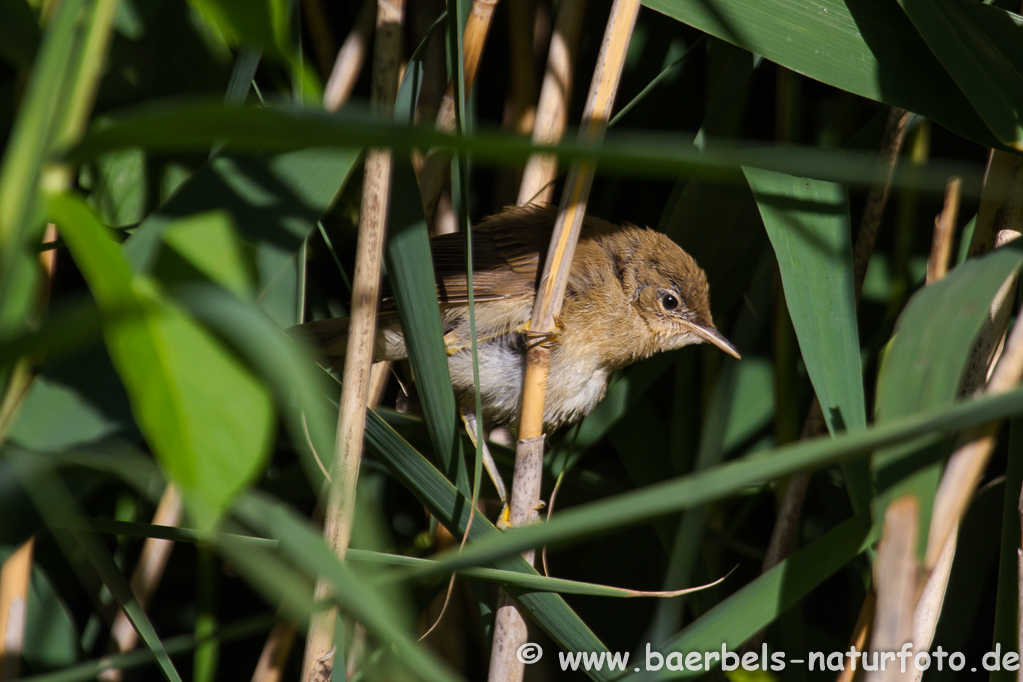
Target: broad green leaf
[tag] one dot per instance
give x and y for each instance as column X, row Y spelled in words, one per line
column 273, row 202
column 209, row 243
column 924, row 365
column 118, row 187
column 868, row 48
column 979, row 46
column 262, row 24
column 808, row 223
column 209, row 421
column 578, row 523
column 81, row 393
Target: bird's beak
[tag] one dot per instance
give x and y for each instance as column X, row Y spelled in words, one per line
column 711, row 335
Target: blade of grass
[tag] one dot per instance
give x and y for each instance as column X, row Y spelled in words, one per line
column 579, row 523
column 808, row 224
column 548, row 611
column 190, row 125
column 764, row 599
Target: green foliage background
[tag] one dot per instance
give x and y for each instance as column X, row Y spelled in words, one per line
column 204, row 202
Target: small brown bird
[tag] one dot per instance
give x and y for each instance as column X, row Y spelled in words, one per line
column 632, row 292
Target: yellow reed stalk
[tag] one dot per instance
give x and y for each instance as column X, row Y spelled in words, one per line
column 437, row 164
column 509, row 625
column 555, row 96
column 944, row 229
column 319, row 654
column 15, row 577
column 861, row 632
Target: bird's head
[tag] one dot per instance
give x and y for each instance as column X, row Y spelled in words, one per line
column 669, row 292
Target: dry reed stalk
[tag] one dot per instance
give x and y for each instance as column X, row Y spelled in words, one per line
column 437, row 164
column 319, row 654
column 555, row 96
column 145, row 579
column 509, row 624
column 521, row 111
column 891, row 144
column 15, row 578
column 966, row 465
column 932, row 597
column 315, row 21
column 944, row 229
column 274, row 656
column 998, row 222
column 1019, row 586
column 895, row 574
column 349, row 59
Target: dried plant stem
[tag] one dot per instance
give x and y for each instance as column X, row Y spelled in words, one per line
column 274, row 656
column 148, row 573
column 15, row 577
column 998, row 222
column 944, row 229
column 895, row 574
column 316, row 22
column 437, row 164
column 932, row 596
column 967, row 463
column 349, row 59
column 509, row 624
column 319, row 654
column 522, row 107
column 552, row 109
column 891, row 144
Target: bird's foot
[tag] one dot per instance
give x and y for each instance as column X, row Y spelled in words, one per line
column 504, row 519
column 543, row 339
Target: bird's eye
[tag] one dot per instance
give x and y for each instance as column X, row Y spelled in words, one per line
column 669, row 302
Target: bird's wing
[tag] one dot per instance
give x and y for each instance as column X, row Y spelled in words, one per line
column 506, row 258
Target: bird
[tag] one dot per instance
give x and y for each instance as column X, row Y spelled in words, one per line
column 631, row 292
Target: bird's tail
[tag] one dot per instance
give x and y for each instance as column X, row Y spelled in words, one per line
column 329, row 338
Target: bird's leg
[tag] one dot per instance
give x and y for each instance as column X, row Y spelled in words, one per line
column 469, row 419
column 546, row 339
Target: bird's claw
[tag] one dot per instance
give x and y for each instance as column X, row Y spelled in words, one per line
column 543, row 339
column 504, row 519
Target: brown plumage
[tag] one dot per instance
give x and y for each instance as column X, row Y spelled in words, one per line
column 632, row 292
